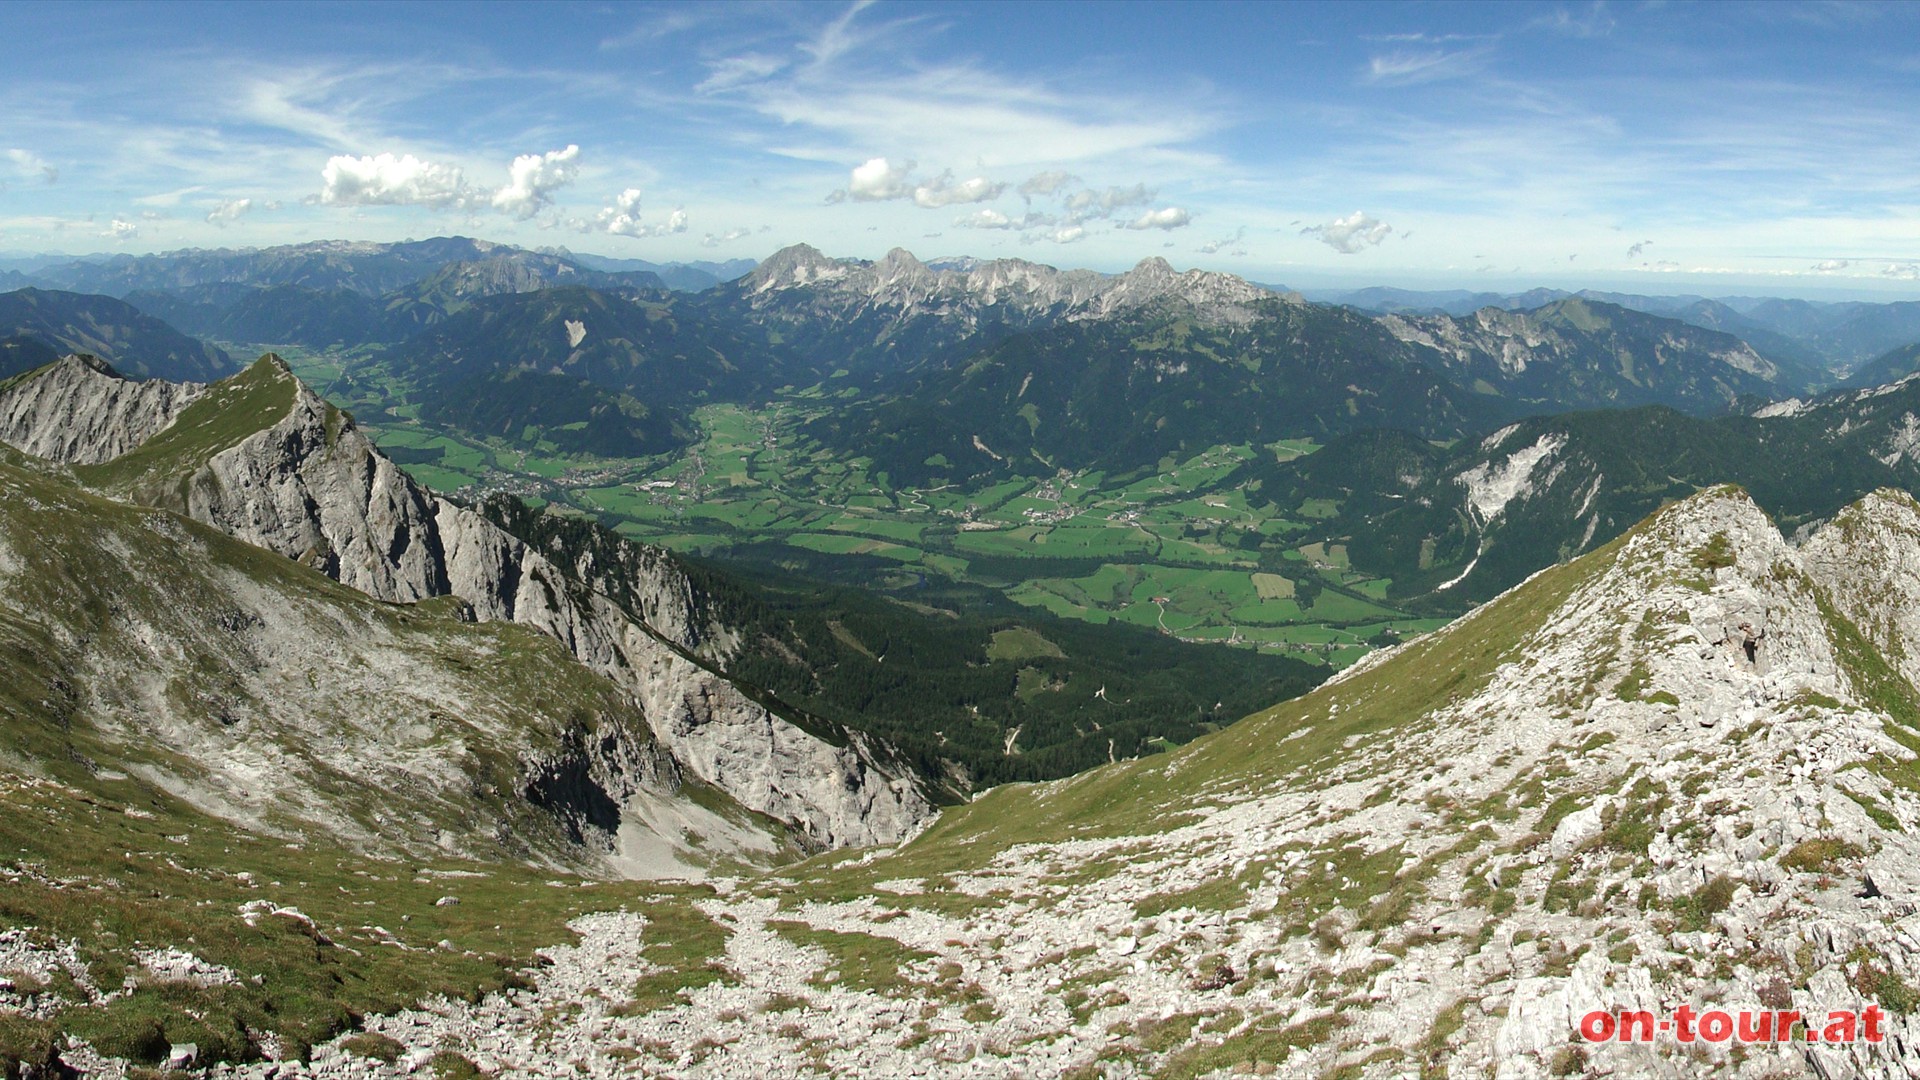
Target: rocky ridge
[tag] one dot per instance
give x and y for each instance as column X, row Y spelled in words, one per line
column 1580, row 353
column 1669, row 773
column 82, row 412
column 309, row 485
column 998, row 290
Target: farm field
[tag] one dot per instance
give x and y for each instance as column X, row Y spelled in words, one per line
column 1181, row 550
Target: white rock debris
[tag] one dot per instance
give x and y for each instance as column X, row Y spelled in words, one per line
column 1673, row 787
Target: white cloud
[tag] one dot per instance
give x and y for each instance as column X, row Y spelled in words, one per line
column 385, row 180
column 1046, row 183
column 26, row 163
column 169, row 198
column 943, row 191
column 984, row 218
column 122, row 230
column 710, row 240
column 621, row 217
column 1411, row 68
column 532, row 180
column 1104, row 203
column 1171, row 217
column 1066, row 235
column 1352, row 234
column 732, row 71
column 229, row 211
column 1213, row 247
column 1902, row 271
column 880, row 179
column 1828, row 266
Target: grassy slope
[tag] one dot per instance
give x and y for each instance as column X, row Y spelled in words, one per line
column 92, row 854
column 1151, row 795
column 225, row 416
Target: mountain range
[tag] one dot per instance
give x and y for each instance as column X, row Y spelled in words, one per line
column 303, row 760
column 1839, row 335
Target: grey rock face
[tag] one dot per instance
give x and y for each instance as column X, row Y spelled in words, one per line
column 314, row 488
column 82, row 412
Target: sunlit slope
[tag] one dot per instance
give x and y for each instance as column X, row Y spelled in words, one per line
column 1670, row 771
column 259, row 691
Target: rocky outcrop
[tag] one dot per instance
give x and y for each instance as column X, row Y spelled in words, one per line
column 309, row 485
column 1868, row 560
column 836, row 795
column 314, row 488
column 80, row 411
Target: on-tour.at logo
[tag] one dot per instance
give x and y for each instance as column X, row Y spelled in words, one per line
column 1685, row 1025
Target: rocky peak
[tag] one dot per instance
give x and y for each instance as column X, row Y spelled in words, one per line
column 794, row 266
column 79, row 410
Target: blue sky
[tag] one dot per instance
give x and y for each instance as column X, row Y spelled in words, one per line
column 1659, row 147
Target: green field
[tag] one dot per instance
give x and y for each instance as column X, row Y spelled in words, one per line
column 1181, row 550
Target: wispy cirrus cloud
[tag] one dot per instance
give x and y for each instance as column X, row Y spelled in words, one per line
column 27, row 164
column 1411, row 67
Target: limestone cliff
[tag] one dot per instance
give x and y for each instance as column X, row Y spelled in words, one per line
column 82, row 412
column 305, row 482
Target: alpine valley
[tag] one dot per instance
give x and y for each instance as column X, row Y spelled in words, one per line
column 450, row 659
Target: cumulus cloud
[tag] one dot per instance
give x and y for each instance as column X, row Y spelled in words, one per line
column 985, row 218
column 26, row 163
column 879, row 180
column 710, row 240
column 1634, row 251
column 533, row 178
column 385, row 180
column 121, row 229
column 1104, row 203
column 1064, row 235
column 1170, row 217
column 231, row 210
column 943, row 190
column 1829, row 266
column 1902, row 271
column 1352, row 234
column 1046, row 183
column 621, row 217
